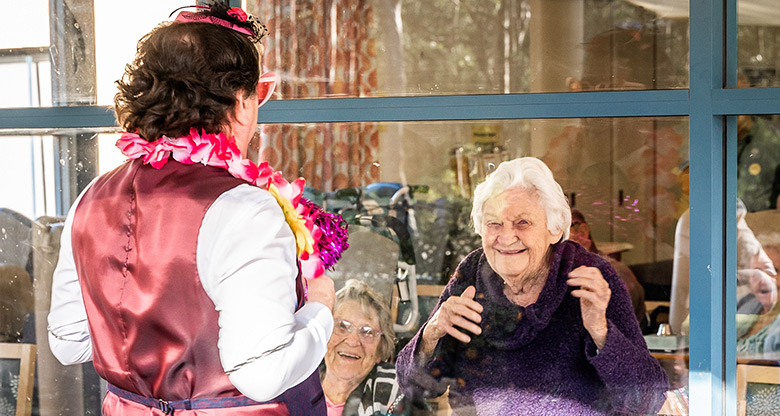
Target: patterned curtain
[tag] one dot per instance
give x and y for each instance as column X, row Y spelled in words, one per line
column 321, row 49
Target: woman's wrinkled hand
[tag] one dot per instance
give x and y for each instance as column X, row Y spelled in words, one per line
column 456, row 315
column 320, row 289
column 594, row 294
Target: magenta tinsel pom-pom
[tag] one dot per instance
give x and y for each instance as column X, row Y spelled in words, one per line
column 334, row 237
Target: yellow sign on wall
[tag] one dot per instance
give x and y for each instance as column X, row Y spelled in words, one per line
column 486, row 134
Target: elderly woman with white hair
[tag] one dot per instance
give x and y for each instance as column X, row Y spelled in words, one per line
column 532, row 323
column 358, row 376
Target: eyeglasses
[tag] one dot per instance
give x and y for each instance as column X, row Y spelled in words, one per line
column 367, row 334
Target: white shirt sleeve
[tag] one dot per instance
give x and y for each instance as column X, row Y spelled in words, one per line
column 247, row 265
column 679, row 300
column 69, row 338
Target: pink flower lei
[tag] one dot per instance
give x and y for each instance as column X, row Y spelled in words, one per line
column 320, row 237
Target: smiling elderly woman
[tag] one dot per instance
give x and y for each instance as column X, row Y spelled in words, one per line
column 357, row 378
column 532, row 323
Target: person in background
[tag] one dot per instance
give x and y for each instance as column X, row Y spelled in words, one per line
column 756, row 276
column 532, row 323
column 177, row 274
column 758, row 311
column 758, row 159
column 358, row 377
column 580, row 233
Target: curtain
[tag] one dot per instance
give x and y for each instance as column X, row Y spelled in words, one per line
column 321, row 49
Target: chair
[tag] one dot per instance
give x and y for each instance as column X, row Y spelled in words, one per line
column 657, row 313
column 53, row 393
column 21, row 373
column 757, row 385
column 15, row 239
column 433, row 291
column 16, row 301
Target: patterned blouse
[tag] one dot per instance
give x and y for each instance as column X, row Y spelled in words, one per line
column 377, row 395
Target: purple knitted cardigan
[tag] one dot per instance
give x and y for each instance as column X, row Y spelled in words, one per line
column 539, row 359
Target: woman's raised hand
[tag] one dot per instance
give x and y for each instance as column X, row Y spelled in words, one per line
column 594, row 294
column 455, row 316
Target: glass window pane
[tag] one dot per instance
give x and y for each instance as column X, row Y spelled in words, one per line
column 46, row 161
column 758, row 44
column 27, row 157
column 70, row 53
column 357, row 49
column 406, row 191
column 36, row 165
column 26, row 28
column 24, row 56
column 630, row 189
column 349, row 49
column 115, row 48
column 758, row 259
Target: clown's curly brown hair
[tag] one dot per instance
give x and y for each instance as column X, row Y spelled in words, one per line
column 186, row 75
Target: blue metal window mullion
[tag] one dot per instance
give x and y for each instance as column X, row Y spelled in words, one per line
column 706, row 375
column 729, row 286
column 651, row 103
column 730, row 217
column 479, row 107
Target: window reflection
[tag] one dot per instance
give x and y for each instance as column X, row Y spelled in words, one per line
column 758, row 43
column 758, row 37
column 625, row 174
column 758, row 190
column 30, row 161
column 758, row 259
column 359, row 49
column 467, row 47
column 758, row 235
column 628, row 59
column 405, row 189
column 758, row 162
column 387, row 48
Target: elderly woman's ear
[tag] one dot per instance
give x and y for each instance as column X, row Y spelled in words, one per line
column 555, row 237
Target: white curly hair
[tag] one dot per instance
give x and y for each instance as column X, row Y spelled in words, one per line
column 530, row 174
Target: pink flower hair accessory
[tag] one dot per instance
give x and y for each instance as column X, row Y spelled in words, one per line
column 237, row 13
column 242, row 22
column 320, row 237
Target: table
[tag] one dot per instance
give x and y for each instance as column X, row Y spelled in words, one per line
column 768, row 359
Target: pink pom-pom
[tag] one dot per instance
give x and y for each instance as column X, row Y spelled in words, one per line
column 334, row 238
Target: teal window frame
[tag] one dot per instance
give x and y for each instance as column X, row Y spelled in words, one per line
column 711, row 103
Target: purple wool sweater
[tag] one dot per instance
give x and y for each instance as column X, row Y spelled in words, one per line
column 539, row 359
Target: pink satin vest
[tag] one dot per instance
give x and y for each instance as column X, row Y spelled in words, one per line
column 154, row 329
